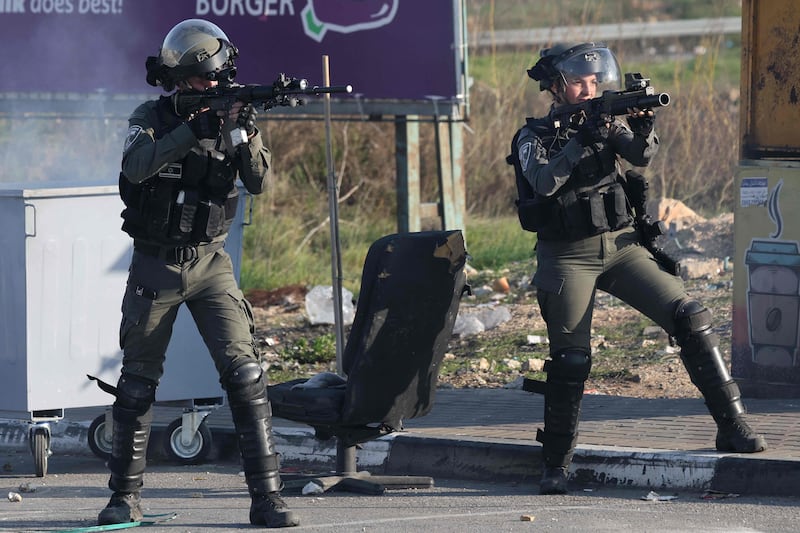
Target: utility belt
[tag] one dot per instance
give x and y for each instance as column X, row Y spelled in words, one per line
column 575, row 215
column 177, row 254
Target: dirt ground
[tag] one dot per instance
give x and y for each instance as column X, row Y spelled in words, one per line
column 643, row 366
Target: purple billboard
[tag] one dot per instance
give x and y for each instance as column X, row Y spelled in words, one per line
column 386, row 49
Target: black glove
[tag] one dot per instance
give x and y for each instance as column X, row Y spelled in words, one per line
column 247, row 119
column 204, row 125
column 642, row 125
column 592, row 132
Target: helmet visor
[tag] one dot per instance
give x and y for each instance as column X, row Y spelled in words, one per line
column 584, row 62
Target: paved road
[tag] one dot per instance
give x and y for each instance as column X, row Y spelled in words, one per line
column 213, row 498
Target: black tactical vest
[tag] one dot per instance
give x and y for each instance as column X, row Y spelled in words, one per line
column 592, row 201
column 190, row 201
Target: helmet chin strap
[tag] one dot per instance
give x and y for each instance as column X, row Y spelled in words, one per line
column 558, row 88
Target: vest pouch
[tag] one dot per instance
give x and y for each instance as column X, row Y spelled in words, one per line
column 157, row 207
column 573, row 210
column 220, row 175
column 533, row 215
column 209, row 221
column 183, row 216
column 230, row 207
column 616, row 206
column 598, row 222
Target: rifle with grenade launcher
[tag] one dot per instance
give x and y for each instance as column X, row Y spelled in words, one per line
column 284, row 92
column 638, row 94
column 636, row 187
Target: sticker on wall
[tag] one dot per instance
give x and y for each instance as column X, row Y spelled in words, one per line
column 753, row 192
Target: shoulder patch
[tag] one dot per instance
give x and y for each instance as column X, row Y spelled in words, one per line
column 133, row 133
column 525, row 155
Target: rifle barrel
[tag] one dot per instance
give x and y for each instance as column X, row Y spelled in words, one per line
column 332, row 89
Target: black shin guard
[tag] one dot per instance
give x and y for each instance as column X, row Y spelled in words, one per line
column 703, row 361
column 132, row 416
column 563, row 393
column 246, row 388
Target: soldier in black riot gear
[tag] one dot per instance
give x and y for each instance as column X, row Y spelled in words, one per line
column 178, row 185
column 573, row 195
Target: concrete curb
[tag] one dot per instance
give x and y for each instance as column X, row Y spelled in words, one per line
column 480, row 459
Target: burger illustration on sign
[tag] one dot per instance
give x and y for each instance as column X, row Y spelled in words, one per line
column 346, row 16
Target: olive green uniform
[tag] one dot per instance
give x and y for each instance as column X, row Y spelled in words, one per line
column 577, row 202
column 181, row 197
column 168, row 269
column 574, row 262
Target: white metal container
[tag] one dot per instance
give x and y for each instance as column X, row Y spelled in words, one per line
column 63, row 269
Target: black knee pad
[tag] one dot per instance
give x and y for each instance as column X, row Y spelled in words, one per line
column 569, row 366
column 245, row 382
column 693, row 328
column 135, row 394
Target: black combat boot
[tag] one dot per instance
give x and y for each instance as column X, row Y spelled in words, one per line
column 563, row 394
column 271, row 511
column 122, row 508
column 734, row 435
column 706, row 367
column 554, row 480
column 252, row 416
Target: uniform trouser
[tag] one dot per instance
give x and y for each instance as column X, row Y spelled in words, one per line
column 154, row 294
column 567, row 279
column 569, row 274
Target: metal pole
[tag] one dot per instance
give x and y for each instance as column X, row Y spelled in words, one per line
column 345, row 455
column 333, row 206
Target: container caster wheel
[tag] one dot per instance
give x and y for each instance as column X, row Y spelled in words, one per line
column 39, row 437
column 192, row 450
column 101, row 437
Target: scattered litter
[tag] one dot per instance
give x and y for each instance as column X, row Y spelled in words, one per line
column 717, row 495
column 484, row 317
column 319, row 305
column 656, row 497
column 537, row 339
column 526, row 518
column 501, row 285
column 14, row 497
column 312, row 488
column 26, row 487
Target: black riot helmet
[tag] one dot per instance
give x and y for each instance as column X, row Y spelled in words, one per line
column 194, row 47
column 561, row 62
